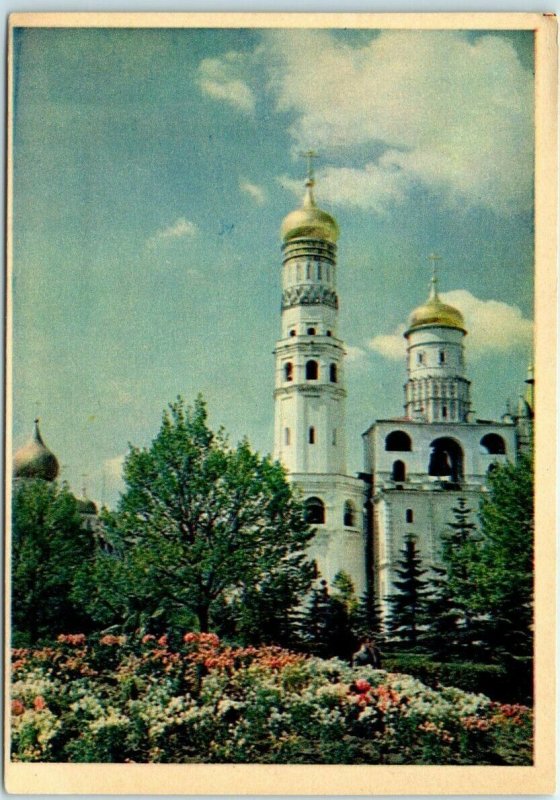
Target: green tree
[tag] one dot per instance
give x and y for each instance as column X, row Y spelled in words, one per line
column 202, row 529
column 461, row 553
column 504, row 577
column 326, row 630
column 49, row 546
column 408, row 605
column 442, row 635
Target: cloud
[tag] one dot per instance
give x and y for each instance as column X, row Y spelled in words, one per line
column 492, row 327
column 433, row 108
column 223, row 79
column 177, row 230
column 354, row 354
column 256, row 192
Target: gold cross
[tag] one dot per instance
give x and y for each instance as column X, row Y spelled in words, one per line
column 309, row 155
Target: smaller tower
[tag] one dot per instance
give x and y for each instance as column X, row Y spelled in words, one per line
column 35, row 460
column 436, row 389
column 524, row 420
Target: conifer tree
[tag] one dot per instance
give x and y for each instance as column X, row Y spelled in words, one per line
column 408, row 604
column 326, row 628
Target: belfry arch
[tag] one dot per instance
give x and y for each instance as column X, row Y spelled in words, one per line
column 446, row 459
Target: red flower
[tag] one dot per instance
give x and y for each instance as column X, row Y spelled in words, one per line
column 149, row 637
column 190, row 637
column 362, row 685
column 39, row 703
column 163, row 640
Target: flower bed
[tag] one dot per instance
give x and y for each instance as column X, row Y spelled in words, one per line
column 143, row 700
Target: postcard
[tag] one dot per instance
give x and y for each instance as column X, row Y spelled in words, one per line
column 280, row 432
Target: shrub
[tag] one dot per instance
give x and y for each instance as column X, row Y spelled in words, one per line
column 143, row 700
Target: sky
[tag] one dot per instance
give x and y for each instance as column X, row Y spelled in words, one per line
column 152, row 170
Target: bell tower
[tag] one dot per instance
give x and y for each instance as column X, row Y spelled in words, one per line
column 309, row 386
column 437, row 389
column 309, row 394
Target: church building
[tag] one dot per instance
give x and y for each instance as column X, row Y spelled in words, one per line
column 417, row 464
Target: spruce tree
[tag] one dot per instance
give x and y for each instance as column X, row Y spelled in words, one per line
column 408, row 604
column 326, row 628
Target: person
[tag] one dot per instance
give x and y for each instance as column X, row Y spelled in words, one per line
column 368, row 653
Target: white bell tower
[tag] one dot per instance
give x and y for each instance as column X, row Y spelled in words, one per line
column 309, row 395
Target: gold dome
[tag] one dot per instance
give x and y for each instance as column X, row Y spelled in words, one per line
column 309, row 220
column 35, row 460
column 435, row 313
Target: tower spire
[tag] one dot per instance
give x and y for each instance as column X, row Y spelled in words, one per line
column 309, row 155
column 434, row 258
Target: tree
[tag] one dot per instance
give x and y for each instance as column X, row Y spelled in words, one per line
column 49, row 545
column 461, row 555
column 504, row 577
column 367, row 619
column 326, row 630
column 203, row 527
column 442, row 635
column 408, row 605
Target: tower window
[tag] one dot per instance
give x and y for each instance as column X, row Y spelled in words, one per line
column 419, row 358
column 444, row 412
column 349, row 514
column 308, row 270
column 311, row 435
column 311, row 331
column 399, row 472
column 493, row 444
column 332, row 373
column 293, row 332
column 329, row 333
column 286, row 436
column 334, row 436
column 319, row 272
column 446, row 459
column 409, row 516
column 314, row 510
column 311, row 371
column 442, row 356
column 398, row 440
column 288, row 371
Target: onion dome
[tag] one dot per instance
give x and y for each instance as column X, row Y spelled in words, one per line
column 435, row 313
column 35, row 460
column 309, row 221
column 86, row 506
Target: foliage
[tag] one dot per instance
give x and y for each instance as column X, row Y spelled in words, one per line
column 49, row 543
column 145, row 700
column 408, row 604
column 204, row 532
column 489, row 679
column 325, row 625
column 504, row 578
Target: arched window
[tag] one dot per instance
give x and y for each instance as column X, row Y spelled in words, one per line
column 314, row 510
column 286, row 436
column 399, row 441
column 399, row 472
column 349, row 514
column 332, row 373
column 444, row 412
column 312, row 435
column 312, row 370
column 288, row 371
column 311, row 331
column 329, row 333
column 409, row 515
column 493, row 444
column 419, row 358
column 442, row 356
column 293, row 332
column 446, row 459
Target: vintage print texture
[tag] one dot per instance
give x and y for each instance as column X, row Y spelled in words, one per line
column 316, row 244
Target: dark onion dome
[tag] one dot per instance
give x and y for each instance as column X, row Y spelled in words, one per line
column 35, row 460
column 86, row 506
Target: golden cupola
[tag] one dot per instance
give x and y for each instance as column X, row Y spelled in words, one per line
column 309, row 221
column 35, row 460
column 435, row 313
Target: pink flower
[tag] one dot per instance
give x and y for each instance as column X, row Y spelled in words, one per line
column 109, row 639
column 149, row 637
column 190, row 637
column 163, row 640
column 39, row 703
column 362, row 685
